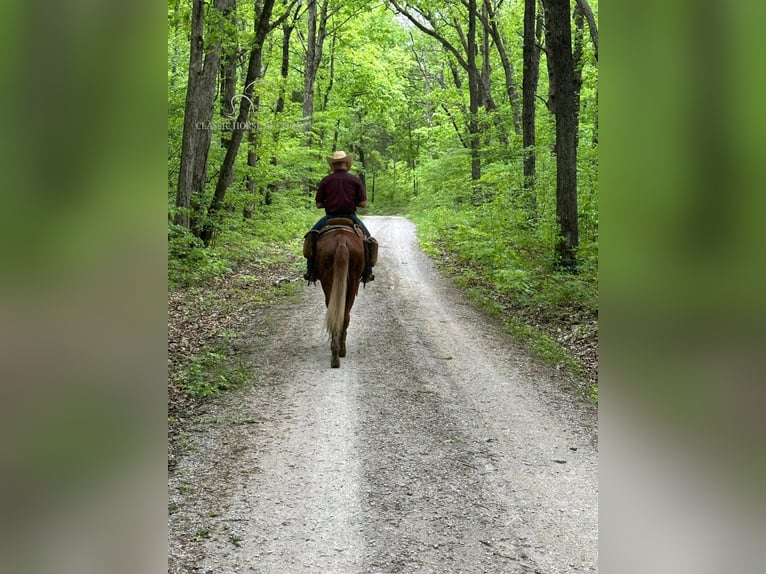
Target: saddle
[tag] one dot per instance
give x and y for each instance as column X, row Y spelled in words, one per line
column 342, row 224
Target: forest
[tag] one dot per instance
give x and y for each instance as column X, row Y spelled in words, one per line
column 477, row 119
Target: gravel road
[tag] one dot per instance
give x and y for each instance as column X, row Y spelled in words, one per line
column 438, row 446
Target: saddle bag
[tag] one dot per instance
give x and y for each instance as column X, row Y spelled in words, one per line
column 309, row 243
column 371, row 251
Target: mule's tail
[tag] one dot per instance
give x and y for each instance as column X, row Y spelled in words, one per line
column 336, row 308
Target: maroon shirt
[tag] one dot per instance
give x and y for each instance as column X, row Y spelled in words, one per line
column 341, row 192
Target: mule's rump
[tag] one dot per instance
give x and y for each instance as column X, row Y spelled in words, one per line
column 340, row 263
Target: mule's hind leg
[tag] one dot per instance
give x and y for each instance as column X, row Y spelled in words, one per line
column 346, row 321
column 342, row 349
column 335, row 348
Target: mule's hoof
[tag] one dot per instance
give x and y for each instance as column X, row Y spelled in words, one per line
column 335, row 363
column 342, row 353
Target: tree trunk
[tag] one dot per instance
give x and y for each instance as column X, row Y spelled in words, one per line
column 485, row 92
column 309, row 70
column 587, row 12
column 577, row 59
column 198, row 113
column 228, row 74
column 317, row 29
column 558, row 35
column 474, row 80
column 253, row 144
column 284, row 71
column 206, row 94
column 594, row 140
column 362, row 172
column 584, row 9
column 186, row 170
column 490, row 23
column 486, row 71
column 531, row 74
column 331, row 80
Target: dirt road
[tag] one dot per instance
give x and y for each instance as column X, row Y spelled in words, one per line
column 438, row 446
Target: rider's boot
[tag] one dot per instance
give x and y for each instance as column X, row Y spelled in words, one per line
column 309, row 249
column 371, row 257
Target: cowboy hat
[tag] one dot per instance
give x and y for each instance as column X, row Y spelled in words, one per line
column 340, row 157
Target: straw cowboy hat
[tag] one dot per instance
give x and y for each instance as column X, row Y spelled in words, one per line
column 341, row 157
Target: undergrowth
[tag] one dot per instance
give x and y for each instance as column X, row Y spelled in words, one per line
column 211, row 371
column 237, row 240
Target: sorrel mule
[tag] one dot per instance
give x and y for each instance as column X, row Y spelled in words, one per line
column 339, row 264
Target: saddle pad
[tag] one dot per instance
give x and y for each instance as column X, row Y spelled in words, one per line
column 356, row 230
column 340, row 221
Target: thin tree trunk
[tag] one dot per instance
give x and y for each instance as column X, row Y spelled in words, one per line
column 207, row 90
column 331, row 81
column 317, row 30
column 584, row 8
column 176, row 26
column 309, row 71
column 558, row 34
column 362, row 172
column 577, row 58
column 486, row 71
column 490, row 24
column 594, row 140
column 531, row 74
column 474, row 95
column 587, row 12
column 284, row 71
column 228, row 74
column 421, row 61
column 253, row 144
column 485, row 92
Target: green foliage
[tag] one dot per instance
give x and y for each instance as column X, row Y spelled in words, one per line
column 210, row 372
column 542, row 344
column 283, row 224
column 188, row 260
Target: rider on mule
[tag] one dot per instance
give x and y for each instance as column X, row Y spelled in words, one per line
column 339, row 194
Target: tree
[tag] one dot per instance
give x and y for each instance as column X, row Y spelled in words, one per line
column 262, row 26
column 427, row 22
column 317, row 32
column 583, row 11
column 200, row 97
column 191, row 112
column 489, row 19
column 562, row 88
column 531, row 75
